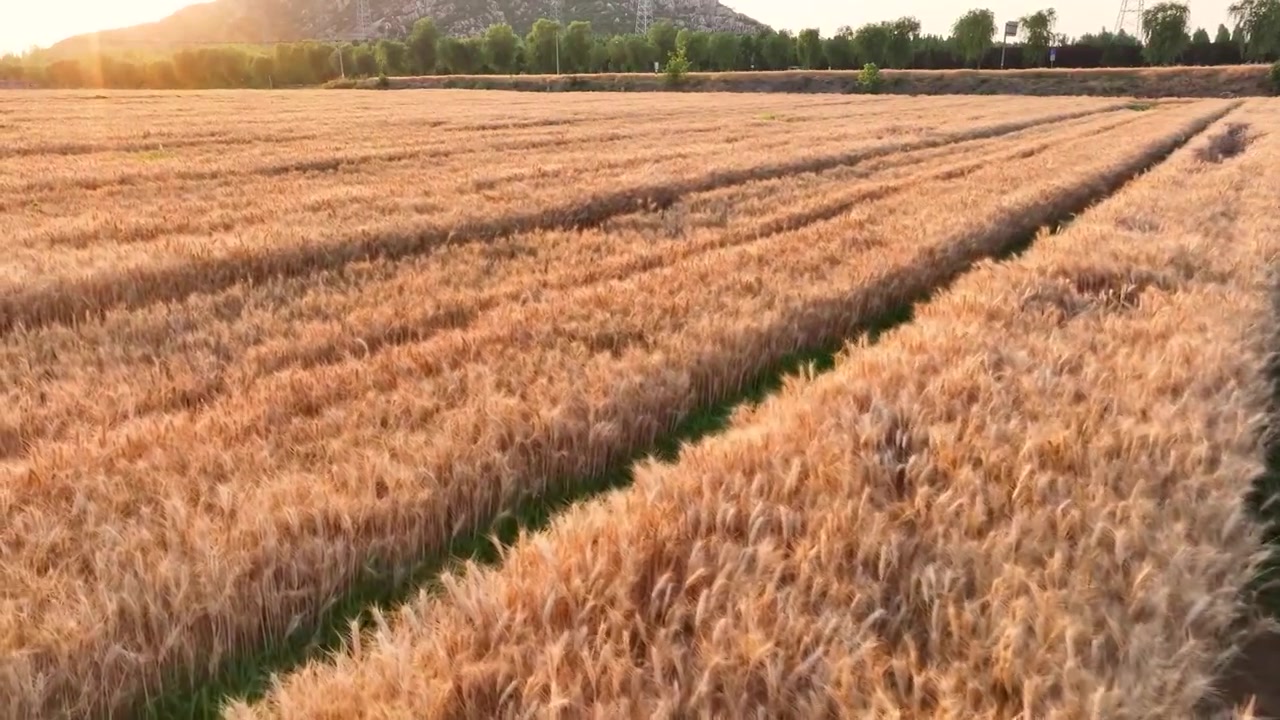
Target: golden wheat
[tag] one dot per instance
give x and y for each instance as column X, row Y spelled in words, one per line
column 398, row 208
column 169, row 539
column 1028, row 502
column 357, row 311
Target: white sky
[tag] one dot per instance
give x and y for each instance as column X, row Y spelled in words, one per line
column 24, row 23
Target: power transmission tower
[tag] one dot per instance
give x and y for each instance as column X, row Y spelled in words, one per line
column 644, row 16
column 364, row 20
column 1130, row 18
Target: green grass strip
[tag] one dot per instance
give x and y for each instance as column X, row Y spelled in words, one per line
column 249, row 676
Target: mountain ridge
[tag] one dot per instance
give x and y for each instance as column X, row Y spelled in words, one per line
column 268, row 21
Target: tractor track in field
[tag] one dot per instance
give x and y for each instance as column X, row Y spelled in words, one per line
column 458, row 317
column 435, row 150
column 382, row 588
column 69, row 301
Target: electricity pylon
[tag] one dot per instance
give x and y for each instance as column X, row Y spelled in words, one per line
column 364, row 20
column 1130, row 18
column 644, row 16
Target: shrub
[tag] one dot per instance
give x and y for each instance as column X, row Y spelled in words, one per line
column 869, row 79
column 383, row 82
column 1275, row 77
column 677, row 68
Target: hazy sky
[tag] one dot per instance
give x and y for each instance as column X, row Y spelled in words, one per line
column 41, row 22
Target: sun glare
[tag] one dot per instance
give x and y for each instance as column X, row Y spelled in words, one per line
column 45, row 23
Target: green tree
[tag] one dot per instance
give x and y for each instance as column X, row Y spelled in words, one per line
column 319, row 57
column 870, row 79
column 1258, row 22
column 616, row 49
column 65, row 74
column 662, row 35
column 449, row 55
column 460, row 56
column 974, row 34
column 722, row 51
column 676, row 68
column 600, row 55
column 422, row 45
column 809, row 49
column 111, row 72
column 12, row 68
column 695, row 45
column 542, row 46
column 748, row 52
column 1112, row 45
column 262, row 70
column 1201, row 37
column 640, row 53
column 887, row 44
column 903, row 35
column 871, row 42
column 187, row 69
column 839, row 50
column 161, row 75
column 1225, row 52
column 576, row 46
column 292, row 67
column 365, row 61
column 1038, row 35
column 1164, row 26
column 342, row 61
column 777, row 51
column 393, row 57
column 500, row 48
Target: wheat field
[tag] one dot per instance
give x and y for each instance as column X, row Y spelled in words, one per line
column 254, row 343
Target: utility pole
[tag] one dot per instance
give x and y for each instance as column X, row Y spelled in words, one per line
column 555, row 13
column 1010, row 30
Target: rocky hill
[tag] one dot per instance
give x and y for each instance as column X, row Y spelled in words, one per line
column 259, row 21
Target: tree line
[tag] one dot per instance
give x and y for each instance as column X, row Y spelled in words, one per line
column 550, row 48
